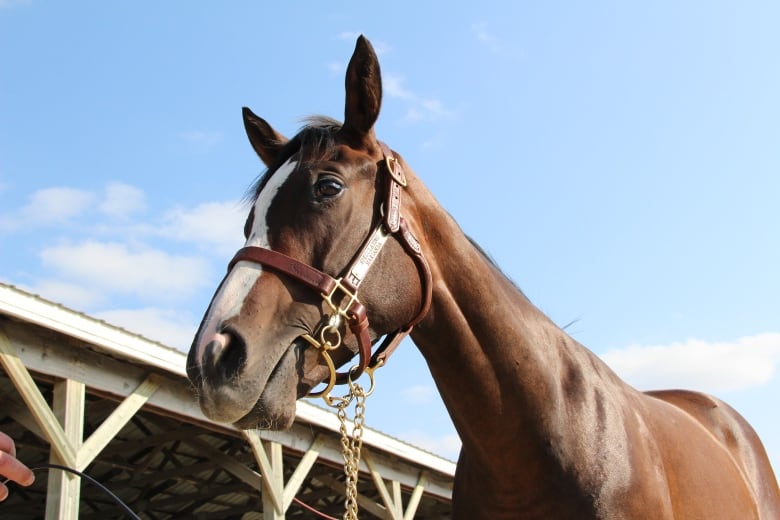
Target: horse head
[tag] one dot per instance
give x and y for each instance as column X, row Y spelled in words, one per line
column 325, row 221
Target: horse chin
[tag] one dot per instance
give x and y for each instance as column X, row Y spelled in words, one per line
column 250, row 400
column 275, row 408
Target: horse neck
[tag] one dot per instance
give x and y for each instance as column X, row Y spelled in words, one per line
column 511, row 379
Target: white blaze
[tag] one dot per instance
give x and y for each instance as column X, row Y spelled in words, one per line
column 230, row 298
column 259, row 233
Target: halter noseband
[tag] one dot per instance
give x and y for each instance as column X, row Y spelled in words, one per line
column 340, row 294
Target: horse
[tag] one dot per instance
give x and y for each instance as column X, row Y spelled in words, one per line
column 346, row 246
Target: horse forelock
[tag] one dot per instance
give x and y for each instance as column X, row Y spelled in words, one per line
column 316, row 139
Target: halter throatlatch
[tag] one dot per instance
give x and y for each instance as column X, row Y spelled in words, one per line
column 341, row 294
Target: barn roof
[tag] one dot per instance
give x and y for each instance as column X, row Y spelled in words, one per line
column 156, row 447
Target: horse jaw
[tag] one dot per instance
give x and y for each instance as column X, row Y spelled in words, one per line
column 242, row 375
column 250, row 395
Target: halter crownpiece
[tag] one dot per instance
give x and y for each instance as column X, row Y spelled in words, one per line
column 340, row 294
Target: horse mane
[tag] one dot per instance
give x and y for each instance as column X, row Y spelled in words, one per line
column 493, row 263
column 318, row 137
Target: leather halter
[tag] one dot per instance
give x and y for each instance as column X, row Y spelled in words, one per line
column 341, row 293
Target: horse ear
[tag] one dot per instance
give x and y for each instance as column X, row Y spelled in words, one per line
column 266, row 141
column 364, row 91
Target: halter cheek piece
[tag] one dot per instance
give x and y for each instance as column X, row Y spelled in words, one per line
column 340, row 294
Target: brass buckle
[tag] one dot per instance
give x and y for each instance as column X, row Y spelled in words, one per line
column 330, row 336
column 340, row 310
column 399, row 176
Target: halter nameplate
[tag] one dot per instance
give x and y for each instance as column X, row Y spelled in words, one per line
column 393, row 215
column 359, row 270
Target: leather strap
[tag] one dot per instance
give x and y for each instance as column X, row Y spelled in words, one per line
column 392, row 341
column 392, row 224
column 357, row 320
column 396, row 181
column 301, row 272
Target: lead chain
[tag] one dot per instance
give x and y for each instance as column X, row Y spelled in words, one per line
column 351, row 445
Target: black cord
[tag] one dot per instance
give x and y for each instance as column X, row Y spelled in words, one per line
column 105, row 490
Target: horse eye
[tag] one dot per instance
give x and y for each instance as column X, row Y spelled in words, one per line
column 327, row 188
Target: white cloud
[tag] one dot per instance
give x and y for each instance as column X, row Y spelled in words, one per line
column 393, row 87
column 8, row 223
column 420, row 393
column 167, row 326
column 213, row 225
column 434, row 107
column 446, row 445
column 122, row 200
column 114, row 267
column 480, row 31
column 493, row 43
column 419, row 108
column 10, row 4
column 348, row 35
column 72, row 295
column 713, row 367
column 414, row 114
column 55, row 205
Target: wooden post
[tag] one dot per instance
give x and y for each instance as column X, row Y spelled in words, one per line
column 273, row 474
column 302, row 470
column 278, row 496
column 273, row 451
column 64, row 489
column 414, row 500
column 63, row 425
column 392, row 503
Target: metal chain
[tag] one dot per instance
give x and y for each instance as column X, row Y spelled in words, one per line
column 351, row 445
column 351, row 442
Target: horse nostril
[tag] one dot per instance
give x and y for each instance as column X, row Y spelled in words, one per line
column 225, row 355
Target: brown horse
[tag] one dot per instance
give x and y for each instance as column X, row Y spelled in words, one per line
column 548, row 430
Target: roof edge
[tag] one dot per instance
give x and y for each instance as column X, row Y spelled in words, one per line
column 124, row 344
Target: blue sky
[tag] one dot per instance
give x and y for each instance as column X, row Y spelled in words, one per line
column 620, row 161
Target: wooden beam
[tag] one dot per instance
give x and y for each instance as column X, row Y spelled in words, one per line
column 116, row 421
column 301, row 471
column 274, row 452
column 394, row 504
column 397, row 498
column 394, row 509
column 229, row 464
column 414, row 500
column 186, row 502
column 272, row 494
column 37, row 405
column 50, row 354
column 64, row 489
